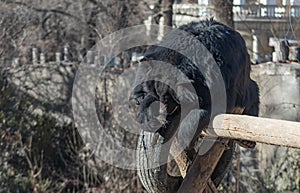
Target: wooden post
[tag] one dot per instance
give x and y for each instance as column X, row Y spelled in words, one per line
column 89, row 57
column 202, row 168
column 66, row 52
column 184, row 164
column 57, row 57
column 34, row 56
column 198, row 178
column 96, row 59
column 197, row 175
column 42, row 59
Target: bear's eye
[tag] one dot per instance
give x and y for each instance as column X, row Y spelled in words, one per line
column 139, row 99
column 137, row 102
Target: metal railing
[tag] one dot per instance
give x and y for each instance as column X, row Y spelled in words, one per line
column 244, row 11
column 267, row 11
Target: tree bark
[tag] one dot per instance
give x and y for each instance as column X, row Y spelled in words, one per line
column 167, row 8
column 223, row 11
column 201, row 170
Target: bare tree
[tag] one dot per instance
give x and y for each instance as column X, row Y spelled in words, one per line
column 223, row 11
column 52, row 24
column 168, row 12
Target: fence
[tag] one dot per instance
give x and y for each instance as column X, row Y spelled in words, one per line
column 39, row 58
column 245, row 11
column 267, row 11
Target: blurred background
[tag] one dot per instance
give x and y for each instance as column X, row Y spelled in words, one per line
column 42, row 44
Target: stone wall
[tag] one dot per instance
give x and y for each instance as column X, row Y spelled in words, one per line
column 279, row 85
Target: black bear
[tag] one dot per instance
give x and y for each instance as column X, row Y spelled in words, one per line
column 159, row 104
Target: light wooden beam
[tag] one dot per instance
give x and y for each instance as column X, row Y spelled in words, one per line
column 263, row 130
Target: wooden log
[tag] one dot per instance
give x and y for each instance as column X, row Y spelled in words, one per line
column 180, row 157
column 211, row 186
column 184, row 163
column 263, row 130
column 199, row 173
column 198, row 177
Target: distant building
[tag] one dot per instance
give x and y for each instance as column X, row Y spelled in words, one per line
column 257, row 21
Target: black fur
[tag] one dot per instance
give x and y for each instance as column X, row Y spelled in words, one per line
column 229, row 51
